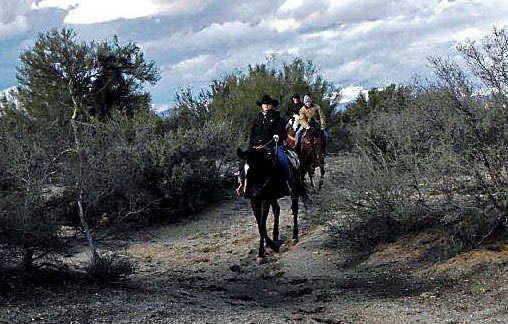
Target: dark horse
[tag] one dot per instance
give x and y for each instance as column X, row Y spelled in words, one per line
column 311, row 155
column 264, row 184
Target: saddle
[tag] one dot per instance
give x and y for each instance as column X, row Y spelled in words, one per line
column 293, row 158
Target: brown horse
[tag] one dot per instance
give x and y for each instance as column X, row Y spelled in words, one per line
column 311, row 155
column 263, row 183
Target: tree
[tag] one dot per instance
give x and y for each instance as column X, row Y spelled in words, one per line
column 102, row 76
column 63, row 85
column 121, row 74
column 234, row 96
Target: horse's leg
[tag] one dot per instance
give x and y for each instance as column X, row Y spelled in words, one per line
column 302, row 174
column 311, row 175
column 321, row 165
column 294, row 209
column 322, row 168
column 321, row 173
column 276, row 214
column 257, row 209
column 261, row 209
column 262, row 225
column 301, row 191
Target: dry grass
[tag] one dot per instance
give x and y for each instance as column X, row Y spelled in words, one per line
column 469, row 261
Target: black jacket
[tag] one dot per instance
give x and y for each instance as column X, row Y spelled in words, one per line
column 265, row 126
column 293, row 109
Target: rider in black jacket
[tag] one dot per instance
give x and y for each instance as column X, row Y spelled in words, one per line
column 267, row 123
column 269, row 131
column 294, row 107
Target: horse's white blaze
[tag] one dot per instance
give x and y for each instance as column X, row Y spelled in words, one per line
column 296, row 122
column 246, row 169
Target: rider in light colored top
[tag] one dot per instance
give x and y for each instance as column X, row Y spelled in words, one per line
column 309, row 114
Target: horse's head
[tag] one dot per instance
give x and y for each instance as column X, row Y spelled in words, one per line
column 291, row 127
column 294, row 122
column 256, row 172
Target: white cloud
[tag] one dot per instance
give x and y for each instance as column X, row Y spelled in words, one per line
column 372, row 43
column 13, row 17
column 290, row 5
column 368, row 42
column 62, row 4
column 95, row 11
column 473, row 33
column 283, row 25
column 98, row 11
column 217, row 37
column 10, row 10
column 16, row 26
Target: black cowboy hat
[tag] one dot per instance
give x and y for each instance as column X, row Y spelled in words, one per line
column 267, row 100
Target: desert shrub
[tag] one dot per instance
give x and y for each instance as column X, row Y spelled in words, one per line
column 435, row 159
column 184, row 167
column 134, row 173
column 30, row 155
column 109, row 268
column 59, row 154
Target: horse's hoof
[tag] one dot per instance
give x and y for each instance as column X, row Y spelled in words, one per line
column 260, row 260
column 293, row 242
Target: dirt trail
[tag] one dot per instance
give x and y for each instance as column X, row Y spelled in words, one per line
column 203, row 270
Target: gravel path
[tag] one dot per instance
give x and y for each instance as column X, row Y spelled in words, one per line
column 203, row 270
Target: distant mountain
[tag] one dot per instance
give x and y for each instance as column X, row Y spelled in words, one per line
column 349, row 95
column 164, row 113
column 10, row 95
column 162, row 110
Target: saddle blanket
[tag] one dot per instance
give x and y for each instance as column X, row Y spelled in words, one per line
column 293, row 158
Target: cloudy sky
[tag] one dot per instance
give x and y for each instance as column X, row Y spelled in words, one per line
column 355, row 43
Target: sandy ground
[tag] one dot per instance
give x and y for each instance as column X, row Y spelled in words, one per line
column 203, row 270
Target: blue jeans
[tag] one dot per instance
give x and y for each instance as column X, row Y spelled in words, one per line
column 298, row 135
column 283, row 160
column 325, row 135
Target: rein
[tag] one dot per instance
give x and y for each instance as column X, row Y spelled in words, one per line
column 259, row 147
